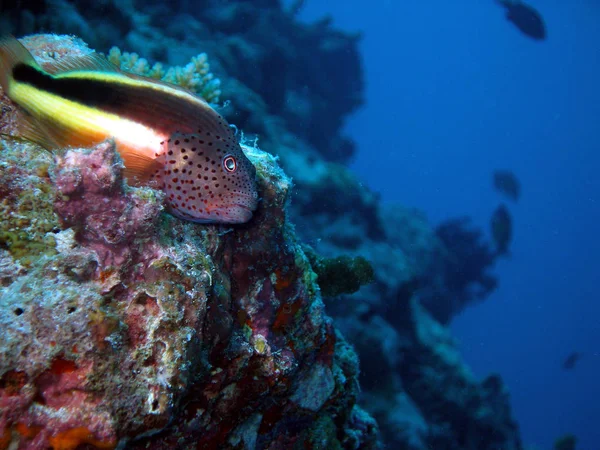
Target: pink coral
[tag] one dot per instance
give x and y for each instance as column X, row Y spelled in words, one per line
column 91, row 199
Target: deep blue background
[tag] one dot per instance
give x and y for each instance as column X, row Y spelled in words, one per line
column 455, row 91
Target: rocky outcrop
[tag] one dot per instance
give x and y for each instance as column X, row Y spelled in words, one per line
column 124, row 322
column 81, row 235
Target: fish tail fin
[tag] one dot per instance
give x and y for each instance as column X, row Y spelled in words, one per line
column 12, row 53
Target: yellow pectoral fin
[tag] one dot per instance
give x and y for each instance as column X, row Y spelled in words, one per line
column 31, row 129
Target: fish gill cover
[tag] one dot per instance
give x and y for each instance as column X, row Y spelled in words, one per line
column 120, row 321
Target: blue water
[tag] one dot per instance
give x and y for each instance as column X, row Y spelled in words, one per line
column 455, row 91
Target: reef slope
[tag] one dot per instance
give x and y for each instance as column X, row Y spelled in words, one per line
column 124, row 326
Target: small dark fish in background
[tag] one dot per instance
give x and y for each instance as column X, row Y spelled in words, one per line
column 501, row 225
column 571, row 361
column 525, row 18
column 566, row 442
column 507, row 183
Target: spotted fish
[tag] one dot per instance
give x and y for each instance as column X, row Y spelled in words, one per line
column 165, row 135
column 207, row 174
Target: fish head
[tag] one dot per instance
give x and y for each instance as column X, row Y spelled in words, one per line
column 209, row 179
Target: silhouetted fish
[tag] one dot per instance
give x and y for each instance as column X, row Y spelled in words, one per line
column 507, row 183
column 566, row 442
column 571, row 360
column 501, row 224
column 525, row 18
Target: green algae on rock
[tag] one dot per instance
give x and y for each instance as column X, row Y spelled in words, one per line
column 340, row 275
column 26, row 196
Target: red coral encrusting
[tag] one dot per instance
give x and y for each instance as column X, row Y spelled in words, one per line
column 91, row 200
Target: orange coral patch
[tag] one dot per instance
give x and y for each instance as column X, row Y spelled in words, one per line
column 327, row 350
column 60, row 366
column 105, row 275
column 283, row 281
column 286, row 313
column 71, row 439
column 26, row 431
column 5, row 439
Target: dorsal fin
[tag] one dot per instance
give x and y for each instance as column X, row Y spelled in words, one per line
column 91, row 62
column 169, row 84
column 12, row 53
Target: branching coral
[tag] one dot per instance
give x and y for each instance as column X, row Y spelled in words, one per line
column 195, row 76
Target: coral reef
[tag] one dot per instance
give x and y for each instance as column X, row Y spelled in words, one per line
column 296, row 113
column 194, row 76
column 132, row 327
column 420, row 392
column 141, row 323
column 449, row 397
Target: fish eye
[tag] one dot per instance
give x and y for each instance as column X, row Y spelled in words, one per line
column 230, row 164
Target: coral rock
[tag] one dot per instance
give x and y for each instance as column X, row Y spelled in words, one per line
column 139, row 323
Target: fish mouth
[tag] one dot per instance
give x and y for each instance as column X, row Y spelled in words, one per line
column 235, row 213
column 249, row 201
